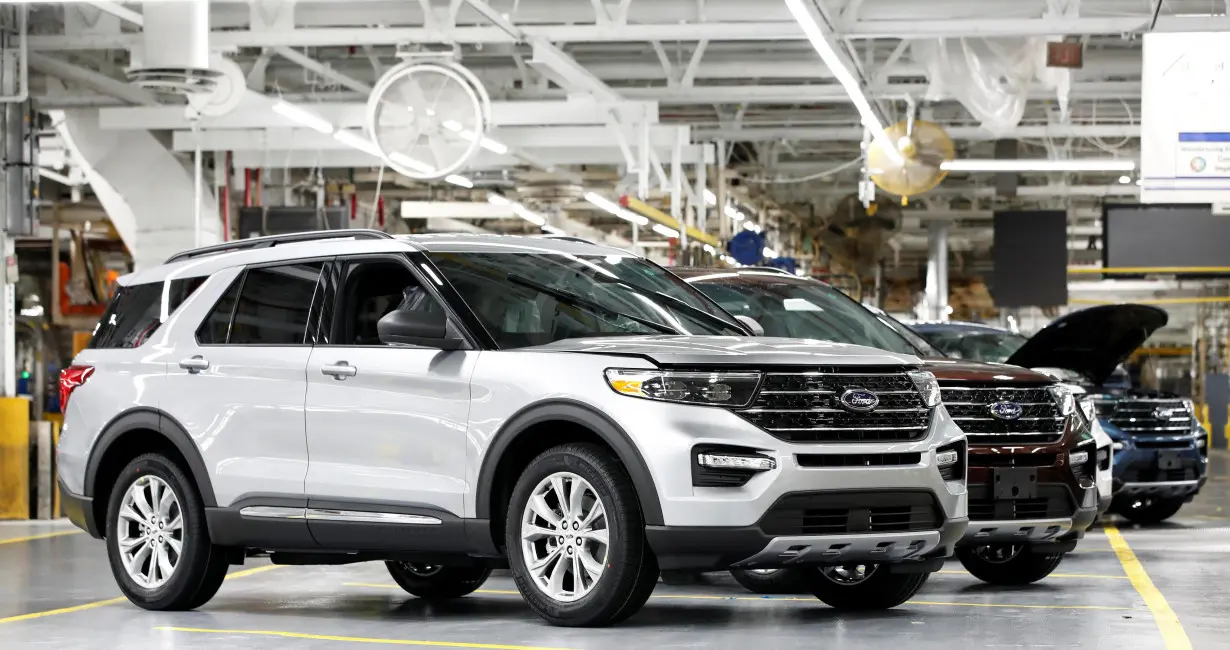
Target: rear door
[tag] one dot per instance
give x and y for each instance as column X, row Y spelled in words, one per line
column 236, row 383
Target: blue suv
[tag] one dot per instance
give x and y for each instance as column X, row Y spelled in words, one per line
column 1161, row 450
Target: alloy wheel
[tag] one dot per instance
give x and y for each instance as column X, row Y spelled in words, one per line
column 564, row 537
column 151, row 532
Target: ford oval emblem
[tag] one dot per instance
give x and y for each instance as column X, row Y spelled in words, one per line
column 859, row 400
column 1006, row 410
column 1163, row 413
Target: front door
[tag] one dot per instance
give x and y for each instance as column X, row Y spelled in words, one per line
column 386, row 425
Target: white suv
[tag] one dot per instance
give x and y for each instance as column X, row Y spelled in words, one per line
column 450, row 404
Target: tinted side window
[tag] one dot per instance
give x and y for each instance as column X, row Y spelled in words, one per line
column 274, row 305
column 130, row 318
column 180, row 290
column 217, row 325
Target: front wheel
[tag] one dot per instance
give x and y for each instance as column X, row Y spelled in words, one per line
column 1149, row 511
column 860, row 587
column 157, row 539
column 434, row 582
column 576, row 538
column 1007, row 564
column 773, row 582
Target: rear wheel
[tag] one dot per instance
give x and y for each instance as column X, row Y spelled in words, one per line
column 855, row 587
column 1149, row 511
column 576, row 539
column 1007, row 564
column 435, row 582
column 157, row 540
column 773, row 581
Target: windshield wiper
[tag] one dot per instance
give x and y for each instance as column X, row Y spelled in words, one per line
column 672, row 301
column 573, row 299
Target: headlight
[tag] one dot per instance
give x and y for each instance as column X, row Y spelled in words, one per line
column 1063, row 397
column 1086, row 406
column 1190, row 406
column 927, row 387
column 1078, row 458
column 707, row 388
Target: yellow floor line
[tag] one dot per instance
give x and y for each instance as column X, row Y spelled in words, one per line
column 112, row 601
column 1058, row 575
column 357, row 639
column 1167, row 621
column 805, row 599
column 31, row 538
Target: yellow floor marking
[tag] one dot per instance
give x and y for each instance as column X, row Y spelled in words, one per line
column 1167, row 621
column 804, row 599
column 112, row 601
column 31, row 538
column 357, row 639
column 1059, row 575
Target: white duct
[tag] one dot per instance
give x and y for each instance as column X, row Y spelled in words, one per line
column 174, row 56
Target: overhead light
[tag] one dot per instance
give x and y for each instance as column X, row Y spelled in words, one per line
column 733, row 213
column 615, row 209
column 710, row 198
column 485, row 142
column 843, row 75
column 303, row 117
column 461, row 181
column 665, row 231
column 406, row 161
column 1139, row 182
column 752, row 226
column 800, row 273
column 1025, row 165
column 528, row 215
column 1125, row 179
column 350, row 139
column 709, row 249
column 769, row 253
column 497, row 199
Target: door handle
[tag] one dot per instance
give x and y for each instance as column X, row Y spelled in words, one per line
column 340, row 370
column 194, row 364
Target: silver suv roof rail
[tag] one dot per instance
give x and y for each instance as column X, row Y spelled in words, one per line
column 574, row 238
column 274, row 240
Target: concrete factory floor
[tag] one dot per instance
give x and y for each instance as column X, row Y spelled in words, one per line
column 1122, row 588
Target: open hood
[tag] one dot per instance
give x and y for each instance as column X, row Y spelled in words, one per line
column 1092, row 342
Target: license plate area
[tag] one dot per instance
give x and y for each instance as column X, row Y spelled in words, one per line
column 1169, row 460
column 1016, row 483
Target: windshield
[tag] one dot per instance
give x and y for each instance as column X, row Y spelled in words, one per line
column 992, row 346
column 803, row 309
column 535, row 298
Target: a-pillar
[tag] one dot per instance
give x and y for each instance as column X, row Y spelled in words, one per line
column 147, row 190
column 936, row 296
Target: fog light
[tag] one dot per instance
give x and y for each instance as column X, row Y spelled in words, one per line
column 946, row 458
column 1077, row 458
column 746, row 463
column 1201, row 441
column 1117, row 446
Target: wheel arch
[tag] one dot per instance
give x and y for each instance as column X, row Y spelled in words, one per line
column 142, row 426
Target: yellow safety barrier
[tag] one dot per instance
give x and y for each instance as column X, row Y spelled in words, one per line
column 14, row 458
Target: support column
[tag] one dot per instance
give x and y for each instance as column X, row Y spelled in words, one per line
column 936, row 296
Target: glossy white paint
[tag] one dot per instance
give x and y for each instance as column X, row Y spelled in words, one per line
column 395, row 432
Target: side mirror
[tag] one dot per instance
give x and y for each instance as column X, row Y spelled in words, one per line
column 751, row 324
column 423, row 328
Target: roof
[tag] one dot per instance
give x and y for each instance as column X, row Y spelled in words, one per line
column 300, row 248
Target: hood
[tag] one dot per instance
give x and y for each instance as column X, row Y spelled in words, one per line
column 669, row 350
column 949, row 371
column 1091, row 341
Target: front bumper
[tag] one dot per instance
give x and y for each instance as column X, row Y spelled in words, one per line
column 714, row 548
column 1162, row 489
column 1138, row 472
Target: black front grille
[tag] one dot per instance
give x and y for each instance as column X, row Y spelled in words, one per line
column 1147, row 417
column 970, row 405
column 1012, row 460
column 1053, row 501
column 826, row 513
column 858, row 460
column 1184, row 443
column 805, row 407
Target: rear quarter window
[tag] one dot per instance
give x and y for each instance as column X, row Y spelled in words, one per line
column 135, row 310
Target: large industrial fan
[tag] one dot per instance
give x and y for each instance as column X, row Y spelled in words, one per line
column 923, row 148
column 427, row 116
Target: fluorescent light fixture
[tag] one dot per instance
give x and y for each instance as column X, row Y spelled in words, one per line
column 752, row 226
column 733, row 213
column 528, row 215
column 461, row 181
column 709, row 249
column 1125, row 179
column 406, row 161
column 486, row 143
column 665, row 231
column 615, row 209
column 843, row 75
column 302, row 117
column 497, row 199
column 1025, row 165
column 710, row 198
column 769, row 253
column 351, row 139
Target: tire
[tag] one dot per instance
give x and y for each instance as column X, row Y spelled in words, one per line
column 774, row 582
column 431, row 582
column 1014, row 566
column 627, row 571
column 1149, row 511
column 879, row 589
column 196, row 570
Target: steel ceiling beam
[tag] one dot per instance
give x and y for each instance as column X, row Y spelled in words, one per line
column 855, row 134
column 322, row 69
